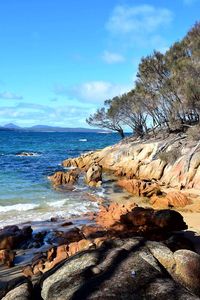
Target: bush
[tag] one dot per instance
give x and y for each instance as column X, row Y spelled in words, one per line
column 170, row 157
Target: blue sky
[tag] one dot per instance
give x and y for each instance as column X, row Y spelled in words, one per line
column 60, row 59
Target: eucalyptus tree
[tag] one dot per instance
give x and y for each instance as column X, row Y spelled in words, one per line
column 108, row 119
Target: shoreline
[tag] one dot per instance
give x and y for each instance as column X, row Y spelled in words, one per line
column 134, row 207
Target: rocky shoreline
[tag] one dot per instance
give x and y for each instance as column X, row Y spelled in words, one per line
column 127, row 250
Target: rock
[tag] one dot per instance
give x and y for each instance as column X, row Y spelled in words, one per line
column 27, row 271
column 182, row 265
column 154, row 225
column 94, row 175
column 9, row 285
column 172, row 199
column 93, row 231
column 187, row 270
column 64, row 178
column 139, row 216
column 65, row 224
column 123, row 269
column 7, row 257
column 64, row 237
column 11, row 236
column 163, row 254
column 21, row 292
column 165, row 288
column 51, row 253
column 109, row 216
column 178, row 241
column 139, row 187
column 79, row 246
column 169, row 220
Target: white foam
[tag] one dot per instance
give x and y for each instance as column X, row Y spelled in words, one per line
column 18, row 207
column 82, row 140
column 28, row 154
column 57, row 204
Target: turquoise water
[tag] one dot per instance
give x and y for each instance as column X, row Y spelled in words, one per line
column 26, row 194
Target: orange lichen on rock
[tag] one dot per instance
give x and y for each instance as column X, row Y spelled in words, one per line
column 172, row 199
column 140, row 187
column 63, row 178
column 108, row 216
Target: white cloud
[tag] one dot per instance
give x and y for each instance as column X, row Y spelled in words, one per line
column 98, row 91
column 137, row 19
column 10, row 96
column 112, row 58
column 32, row 114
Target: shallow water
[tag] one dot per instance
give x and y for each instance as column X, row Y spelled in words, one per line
column 26, row 193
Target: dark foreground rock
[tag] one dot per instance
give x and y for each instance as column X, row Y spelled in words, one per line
column 121, row 269
column 12, row 236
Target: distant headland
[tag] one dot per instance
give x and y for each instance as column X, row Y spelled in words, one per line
column 46, row 128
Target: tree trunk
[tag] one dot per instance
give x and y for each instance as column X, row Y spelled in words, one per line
column 121, row 133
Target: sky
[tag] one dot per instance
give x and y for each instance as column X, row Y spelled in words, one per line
column 60, row 59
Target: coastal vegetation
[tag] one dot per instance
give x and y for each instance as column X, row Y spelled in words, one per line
column 166, row 92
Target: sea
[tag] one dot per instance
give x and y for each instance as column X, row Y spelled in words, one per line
column 25, row 191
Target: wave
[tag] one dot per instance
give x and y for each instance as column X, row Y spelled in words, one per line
column 82, row 140
column 24, row 153
column 57, row 204
column 18, row 207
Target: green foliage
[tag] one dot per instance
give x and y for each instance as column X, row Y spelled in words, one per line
column 166, row 93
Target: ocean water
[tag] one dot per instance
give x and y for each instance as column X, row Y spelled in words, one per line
column 25, row 191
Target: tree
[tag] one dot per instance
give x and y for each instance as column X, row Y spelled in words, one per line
column 108, row 119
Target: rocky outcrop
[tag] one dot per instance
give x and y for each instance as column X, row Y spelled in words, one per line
column 64, row 178
column 110, row 215
column 12, row 236
column 149, row 160
column 94, row 175
column 140, row 187
column 120, row 269
column 114, row 221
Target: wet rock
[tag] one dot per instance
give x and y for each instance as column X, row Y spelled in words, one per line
column 7, row 257
column 94, row 175
column 64, row 178
column 65, row 224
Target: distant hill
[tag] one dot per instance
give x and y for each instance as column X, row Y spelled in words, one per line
column 11, row 126
column 46, row 128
